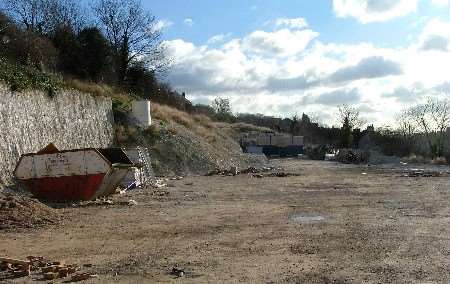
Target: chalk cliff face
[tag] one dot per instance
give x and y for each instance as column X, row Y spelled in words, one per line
column 30, row 120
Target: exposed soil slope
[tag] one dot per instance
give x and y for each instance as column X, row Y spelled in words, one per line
column 183, row 144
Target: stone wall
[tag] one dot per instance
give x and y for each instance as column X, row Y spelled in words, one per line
column 31, row 120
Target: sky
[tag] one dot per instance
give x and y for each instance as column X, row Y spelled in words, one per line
column 282, row 58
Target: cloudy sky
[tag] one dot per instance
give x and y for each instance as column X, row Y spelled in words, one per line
column 293, row 56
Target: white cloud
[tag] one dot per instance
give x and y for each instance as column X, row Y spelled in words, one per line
column 366, row 11
column 162, row 24
column 290, row 71
column 440, row 3
column 188, row 22
column 218, row 38
column 436, row 36
column 282, row 42
column 296, row 23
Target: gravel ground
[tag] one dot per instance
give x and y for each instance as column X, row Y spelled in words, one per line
column 331, row 223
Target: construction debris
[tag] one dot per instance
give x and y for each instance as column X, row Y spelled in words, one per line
column 233, row 171
column 422, row 173
column 253, row 172
column 178, row 272
column 282, row 174
column 142, row 175
column 104, row 202
column 48, row 270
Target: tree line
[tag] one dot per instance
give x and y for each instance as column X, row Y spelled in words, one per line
column 116, row 42
column 423, row 129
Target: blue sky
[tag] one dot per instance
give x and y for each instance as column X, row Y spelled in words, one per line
column 293, row 56
column 240, row 17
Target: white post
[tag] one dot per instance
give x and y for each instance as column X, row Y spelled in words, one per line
column 141, row 111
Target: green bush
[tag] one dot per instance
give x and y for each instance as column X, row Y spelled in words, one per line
column 152, row 134
column 20, row 78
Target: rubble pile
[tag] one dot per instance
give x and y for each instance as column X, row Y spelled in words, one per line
column 352, row 156
column 24, row 212
column 40, row 268
column 233, row 171
column 253, row 172
column 422, row 173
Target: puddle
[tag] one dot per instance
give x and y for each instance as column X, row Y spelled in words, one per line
column 303, row 218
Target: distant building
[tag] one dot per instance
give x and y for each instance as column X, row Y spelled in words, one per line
column 272, row 144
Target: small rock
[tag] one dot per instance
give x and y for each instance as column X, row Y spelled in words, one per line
column 132, row 202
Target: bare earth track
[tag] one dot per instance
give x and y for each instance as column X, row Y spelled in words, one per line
column 331, row 224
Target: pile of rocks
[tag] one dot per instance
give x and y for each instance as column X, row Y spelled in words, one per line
column 37, row 265
column 352, row 156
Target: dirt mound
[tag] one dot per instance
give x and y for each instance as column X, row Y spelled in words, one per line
column 184, row 152
column 24, row 212
column 186, row 144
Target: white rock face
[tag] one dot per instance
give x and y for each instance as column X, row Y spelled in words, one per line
column 31, row 120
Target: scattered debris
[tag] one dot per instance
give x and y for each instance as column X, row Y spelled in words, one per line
column 37, row 265
column 258, row 175
column 177, row 178
column 233, row 171
column 96, row 202
column 421, row 173
column 282, row 174
column 104, row 202
column 160, row 183
column 330, row 157
column 178, row 272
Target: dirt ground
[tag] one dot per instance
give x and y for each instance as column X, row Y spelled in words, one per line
column 330, row 224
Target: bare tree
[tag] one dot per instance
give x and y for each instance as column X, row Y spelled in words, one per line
column 64, row 13
column 221, row 106
column 132, row 33
column 30, row 13
column 350, row 115
column 406, row 126
column 440, row 115
column 45, row 16
column 432, row 119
